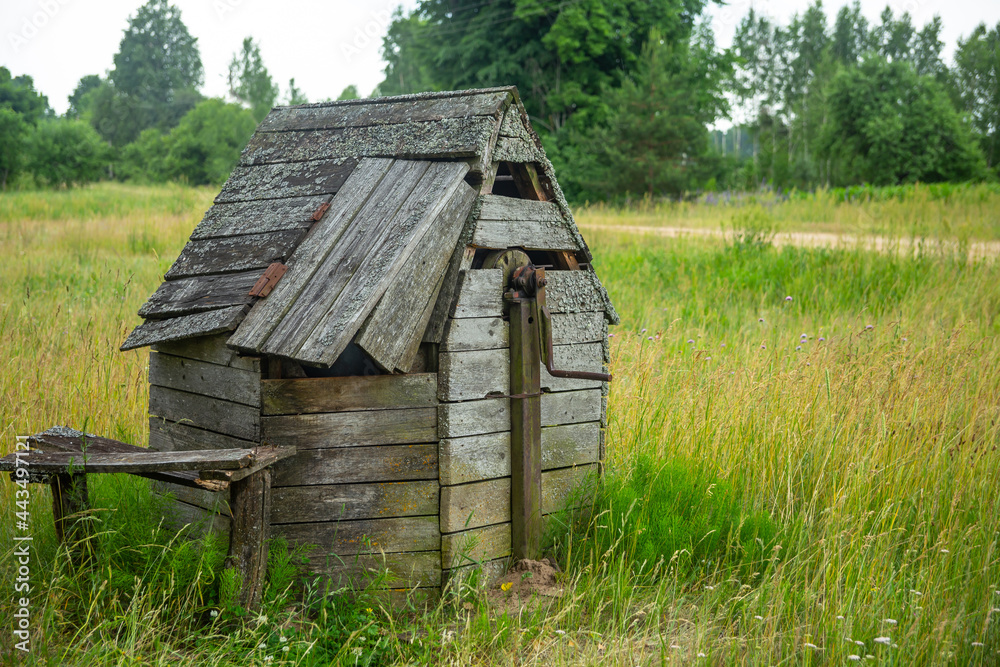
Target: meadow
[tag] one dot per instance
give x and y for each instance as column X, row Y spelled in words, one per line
column 802, row 452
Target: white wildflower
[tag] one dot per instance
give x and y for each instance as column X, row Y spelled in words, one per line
column 808, row 645
column 560, row 632
column 917, row 593
column 977, row 644
column 759, row 618
column 213, row 613
column 674, row 646
column 890, row 621
column 840, row 618
column 883, row 640
column 853, row 657
column 701, row 655
column 282, row 639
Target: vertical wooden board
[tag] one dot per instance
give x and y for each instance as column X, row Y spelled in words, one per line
column 377, row 571
column 474, row 458
column 475, row 333
column 212, row 414
column 348, row 502
column 475, row 505
column 456, row 420
column 397, row 535
column 467, row 376
column 351, row 429
column 343, row 394
column 571, row 407
column 581, row 357
column 567, row 486
column 167, row 436
column 198, row 377
column 344, row 465
column 570, row 445
column 475, row 546
column 212, row 501
column 573, row 328
column 210, row 349
column 461, row 260
column 480, row 294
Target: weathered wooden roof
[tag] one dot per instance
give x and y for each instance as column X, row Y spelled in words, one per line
column 365, row 201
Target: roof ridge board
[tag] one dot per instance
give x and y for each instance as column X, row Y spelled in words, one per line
column 390, row 99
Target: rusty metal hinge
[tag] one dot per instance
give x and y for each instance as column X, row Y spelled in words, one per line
column 321, row 211
column 268, row 280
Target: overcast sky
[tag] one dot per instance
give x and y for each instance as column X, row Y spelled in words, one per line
column 326, row 46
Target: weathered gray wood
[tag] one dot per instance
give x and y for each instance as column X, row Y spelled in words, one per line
column 299, row 179
column 511, row 149
column 143, row 460
column 571, row 328
column 396, row 326
column 486, row 574
column 476, row 333
column 571, row 407
column 401, row 570
column 456, row 420
column 475, row 546
column 570, row 445
column 210, row 349
column 461, row 260
column 581, row 357
column 451, row 138
column 322, row 238
column 234, row 253
column 525, row 429
column 506, row 222
column 69, row 501
column 561, row 487
column 263, row 457
column 513, row 124
column 475, row 458
column 466, row 376
column 366, row 536
column 340, row 394
column 330, row 116
column 577, row 292
column 194, row 521
column 349, row 502
column 165, row 436
column 344, row 465
column 250, row 531
column 441, row 191
column 192, row 295
column 240, row 421
column 475, row 505
column 258, row 216
column 351, row 429
column 480, row 294
column 198, row 377
column 213, row 501
column 184, row 327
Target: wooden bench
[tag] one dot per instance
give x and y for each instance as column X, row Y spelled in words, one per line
column 63, row 457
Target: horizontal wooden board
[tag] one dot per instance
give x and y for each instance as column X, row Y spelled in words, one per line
column 456, row 420
column 475, row 505
column 212, row 414
column 300, row 179
column 351, row 429
column 374, row 112
column 348, row 502
column 475, row 546
column 485, row 574
column 475, row 333
column 210, row 349
column 572, row 328
column 341, row 394
column 185, row 327
column 212, row 501
column 258, row 216
column 377, row 572
column 506, row 222
column 385, row 463
column 571, row 407
column 581, row 357
column 192, row 295
column 165, row 436
column 198, row 377
column 453, row 138
column 137, row 461
column 475, row 458
column 570, row 445
column 466, row 376
column 480, row 294
column 234, row 253
column 366, row 535
column 567, row 486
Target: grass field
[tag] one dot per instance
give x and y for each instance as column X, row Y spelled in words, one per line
column 802, row 455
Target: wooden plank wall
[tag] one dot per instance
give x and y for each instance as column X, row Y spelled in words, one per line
column 364, row 485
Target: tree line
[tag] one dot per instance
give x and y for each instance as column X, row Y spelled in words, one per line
column 622, row 94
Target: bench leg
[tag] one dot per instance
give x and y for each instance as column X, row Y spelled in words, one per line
column 69, row 498
column 250, row 502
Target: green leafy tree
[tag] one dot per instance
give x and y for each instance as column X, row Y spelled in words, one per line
column 349, row 93
column 888, row 125
column 143, row 160
column 78, row 101
column 977, row 71
column 295, row 95
column 206, row 144
column 851, row 38
column 249, row 81
column 66, row 152
column 18, row 94
column 13, row 133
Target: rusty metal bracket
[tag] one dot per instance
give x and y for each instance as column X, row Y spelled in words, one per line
column 320, row 212
column 268, row 280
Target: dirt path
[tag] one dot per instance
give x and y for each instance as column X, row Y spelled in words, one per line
column 977, row 249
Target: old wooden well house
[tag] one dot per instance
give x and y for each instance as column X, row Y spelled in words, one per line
column 373, row 286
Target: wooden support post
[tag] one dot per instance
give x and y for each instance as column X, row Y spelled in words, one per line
column 69, row 499
column 525, row 430
column 250, row 502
